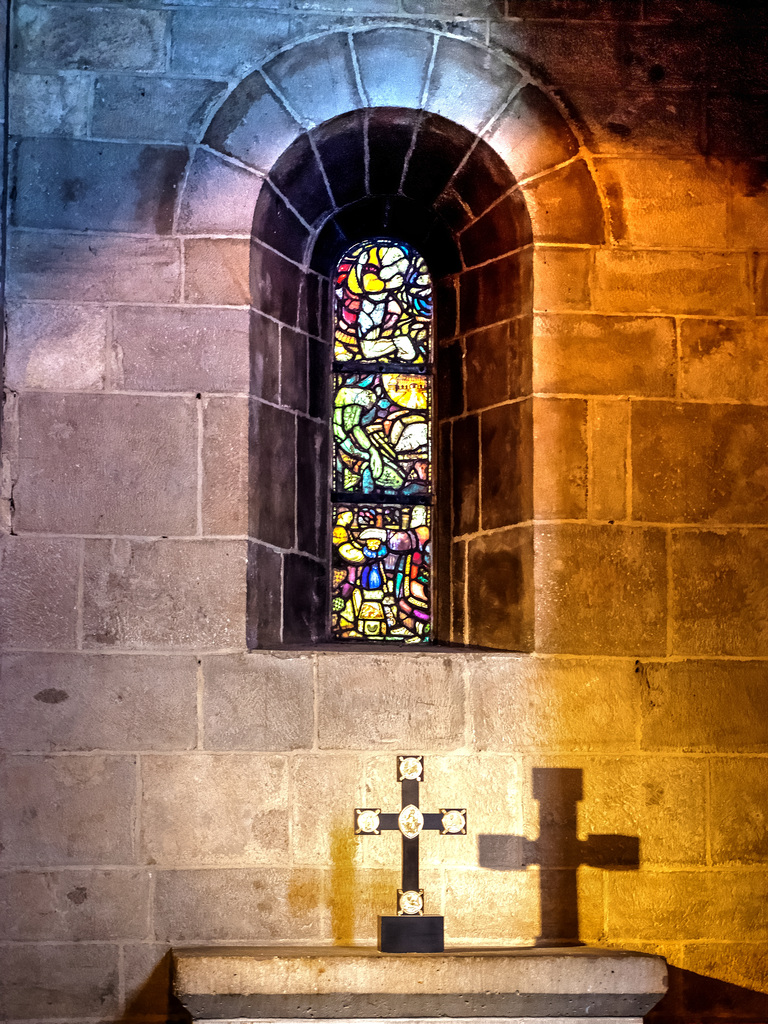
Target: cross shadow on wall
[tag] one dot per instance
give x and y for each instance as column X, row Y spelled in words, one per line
column 558, row 851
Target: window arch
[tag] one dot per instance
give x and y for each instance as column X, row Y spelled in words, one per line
column 382, row 473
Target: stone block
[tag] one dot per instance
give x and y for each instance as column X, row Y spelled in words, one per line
column 680, row 905
column 628, row 121
column 704, row 706
column 325, row 789
column 561, row 278
column 609, row 431
column 77, row 474
column 559, row 458
column 522, row 703
column 736, row 124
column 565, row 206
column 317, row 78
column 265, row 358
column 240, row 904
column 497, row 363
column 724, row 359
column 468, row 84
column 73, row 184
column 94, row 268
column 749, row 208
column 492, row 907
column 59, row 980
column 74, row 905
column 726, row 977
column 88, row 38
column 272, row 475
column 253, row 125
column 531, row 134
column 225, row 465
column 369, row 702
column 258, row 701
column 216, row 271
column 340, row 147
column 506, row 465
column 312, row 443
column 719, row 593
column 219, row 197
column 56, row 347
column 604, row 355
column 761, row 283
column 600, row 590
column 378, row 51
column 465, row 473
column 504, row 228
column 181, row 349
column 55, row 104
column 711, row 283
column 147, row 973
column 220, row 809
column 727, row 482
column 451, row 8
column 499, row 597
column 739, row 788
column 153, row 109
column 222, row 43
column 75, row 702
column 305, row 600
column 581, row 10
column 166, row 593
column 264, row 600
column 67, row 809
column 438, row 149
column 38, row 598
column 666, row 202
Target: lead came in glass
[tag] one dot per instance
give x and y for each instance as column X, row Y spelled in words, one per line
column 382, row 445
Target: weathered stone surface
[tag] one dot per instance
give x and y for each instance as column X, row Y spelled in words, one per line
column 379, row 51
column 505, row 904
column 561, row 278
column 77, row 702
column 719, row 592
column 717, row 967
column 727, row 481
column 74, row 905
column 166, row 593
column 609, row 429
column 367, row 701
column 57, row 265
column 161, row 109
column 559, row 458
column 216, row 271
column 748, row 221
column 503, row 229
column 109, row 464
column 499, row 594
column 506, row 444
column 565, row 206
column 181, row 349
column 604, row 355
column 56, row 347
column 222, row 43
column 83, row 38
column 59, row 980
column 761, row 283
column 664, row 202
column 335, row 782
column 317, row 78
column 225, row 465
column 600, row 590
column 497, row 363
column 147, row 972
column 724, row 359
column 258, row 701
column 532, row 135
column 739, row 787
column 73, row 184
column 468, row 84
column 640, row 120
column 219, row 197
column 712, row 283
column 704, row 706
column 556, row 704
column 240, row 904
column 272, row 480
column 38, row 598
column 221, row 809
column 55, row 104
column 67, row 809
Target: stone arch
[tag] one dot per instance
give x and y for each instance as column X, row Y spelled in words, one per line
column 468, row 159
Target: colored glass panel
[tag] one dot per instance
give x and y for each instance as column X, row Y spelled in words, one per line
column 381, row 431
column 383, row 304
column 381, row 573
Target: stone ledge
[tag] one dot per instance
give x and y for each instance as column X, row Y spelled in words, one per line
column 346, row 983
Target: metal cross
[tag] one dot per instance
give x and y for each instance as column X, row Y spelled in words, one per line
column 410, row 822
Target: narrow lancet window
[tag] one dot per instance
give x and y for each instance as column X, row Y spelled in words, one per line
column 382, row 488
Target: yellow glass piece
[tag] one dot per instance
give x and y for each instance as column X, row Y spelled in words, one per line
column 410, row 821
column 453, row 822
column 406, row 389
column 368, row 820
column 410, row 768
column 411, row 902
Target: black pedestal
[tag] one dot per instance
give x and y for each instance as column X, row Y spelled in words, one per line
column 411, row 934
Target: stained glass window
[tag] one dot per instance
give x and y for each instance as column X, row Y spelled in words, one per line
column 382, row 445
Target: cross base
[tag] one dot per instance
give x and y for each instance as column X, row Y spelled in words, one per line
column 418, row 934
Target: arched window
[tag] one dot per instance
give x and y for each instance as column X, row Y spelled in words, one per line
column 382, row 408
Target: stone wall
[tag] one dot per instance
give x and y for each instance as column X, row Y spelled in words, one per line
column 161, row 784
